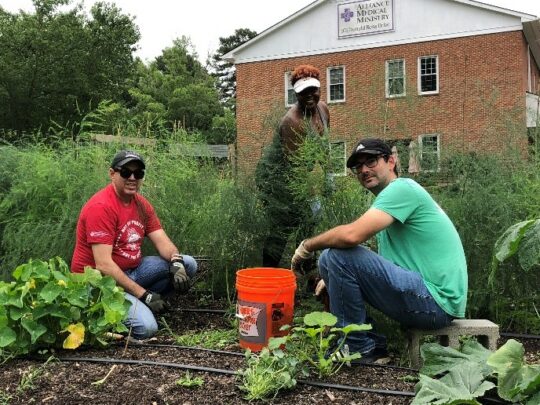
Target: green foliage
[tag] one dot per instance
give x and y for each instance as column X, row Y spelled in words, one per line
column 517, row 381
column 314, row 342
column 47, row 305
column 188, row 381
column 269, row 372
column 210, row 339
column 224, row 71
column 484, row 195
column 465, row 375
column 30, row 377
column 522, row 238
column 57, row 62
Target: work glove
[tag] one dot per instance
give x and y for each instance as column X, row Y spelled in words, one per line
column 154, row 301
column 180, row 279
column 301, row 254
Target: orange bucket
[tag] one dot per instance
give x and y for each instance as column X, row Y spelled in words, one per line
column 265, row 303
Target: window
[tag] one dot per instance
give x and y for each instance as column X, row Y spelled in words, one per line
column 430, row 152
column 428, row 75
column 338, row 158
column 336, row 84
column 395, row 78
column 290, row 95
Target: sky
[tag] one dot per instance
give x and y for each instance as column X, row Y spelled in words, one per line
column 161, row 21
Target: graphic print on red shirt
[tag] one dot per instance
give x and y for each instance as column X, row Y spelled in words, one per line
column 105, row 220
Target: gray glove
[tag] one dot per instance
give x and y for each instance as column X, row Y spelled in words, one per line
column 180, row 279
column 154, row 301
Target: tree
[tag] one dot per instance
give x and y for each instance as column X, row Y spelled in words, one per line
column 56, row 65
column 181, row 84
column 224, row 71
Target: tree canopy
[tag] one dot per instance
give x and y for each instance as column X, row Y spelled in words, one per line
column 55, row 65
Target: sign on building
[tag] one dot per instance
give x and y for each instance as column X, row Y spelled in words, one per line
column 365, row 17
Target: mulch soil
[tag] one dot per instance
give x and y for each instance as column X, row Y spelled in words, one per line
column 78, row 381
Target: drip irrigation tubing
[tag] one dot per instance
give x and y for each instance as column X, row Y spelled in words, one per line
column 231, row 372
column 414, row 370
column 519, row 335
column 209, row 311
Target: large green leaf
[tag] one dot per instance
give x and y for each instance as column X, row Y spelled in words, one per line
column 440, row 359
column 529, row 249
column 516, row 380
column 462, row 385
column 507, row 245
column 34, row 328
column 7, row 336
column 320, row 319
column 50, row 291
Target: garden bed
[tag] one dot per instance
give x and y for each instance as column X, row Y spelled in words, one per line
column 25, row 381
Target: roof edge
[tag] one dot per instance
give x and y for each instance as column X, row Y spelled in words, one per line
column 229, row 56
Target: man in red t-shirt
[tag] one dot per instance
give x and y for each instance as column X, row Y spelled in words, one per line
column 110, row 232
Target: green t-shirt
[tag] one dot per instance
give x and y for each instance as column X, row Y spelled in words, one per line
column 423, row 239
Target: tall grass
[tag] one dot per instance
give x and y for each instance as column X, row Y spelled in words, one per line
column 200, row 206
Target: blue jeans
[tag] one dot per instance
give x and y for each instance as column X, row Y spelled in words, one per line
column 152, row 274
column 357, row 276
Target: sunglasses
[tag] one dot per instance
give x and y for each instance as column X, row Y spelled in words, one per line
column 126, row 173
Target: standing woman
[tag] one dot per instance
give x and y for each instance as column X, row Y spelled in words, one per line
column 308, row 115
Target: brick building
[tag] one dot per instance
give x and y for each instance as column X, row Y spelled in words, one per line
column 427, row 75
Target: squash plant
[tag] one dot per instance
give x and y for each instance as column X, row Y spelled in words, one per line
column 451, row 376
column 48, row 306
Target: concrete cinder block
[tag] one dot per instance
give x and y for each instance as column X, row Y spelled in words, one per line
column 484, row 330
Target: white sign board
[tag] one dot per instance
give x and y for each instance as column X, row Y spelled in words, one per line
column 365, row 17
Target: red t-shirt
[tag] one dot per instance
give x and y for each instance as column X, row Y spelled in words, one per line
column 105, row 220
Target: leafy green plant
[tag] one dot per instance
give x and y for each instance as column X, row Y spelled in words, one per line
column 210, row 339
column 269, row 372
column 451, row 376
column 30, row 377
column 522, row 239
column 49, row 306
column 315, row 342
column 517, row 381
column 190, row 382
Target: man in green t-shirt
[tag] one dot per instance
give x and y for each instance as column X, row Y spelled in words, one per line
column 419, row 277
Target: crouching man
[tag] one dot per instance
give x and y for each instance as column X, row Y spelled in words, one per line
column 418, row 277
column 110, row 231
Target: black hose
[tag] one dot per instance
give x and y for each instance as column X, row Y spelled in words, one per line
column 230, row 372
column 209, row 311
column 184, row 348
column 520, row 335
column 414, row 370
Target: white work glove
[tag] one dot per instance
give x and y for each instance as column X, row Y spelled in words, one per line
column 320, row 287
column 301, row 254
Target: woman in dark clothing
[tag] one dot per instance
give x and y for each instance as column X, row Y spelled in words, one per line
column 308, row 115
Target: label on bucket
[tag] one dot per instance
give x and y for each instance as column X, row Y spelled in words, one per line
column 252, row 325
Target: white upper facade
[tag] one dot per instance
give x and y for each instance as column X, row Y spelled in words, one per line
column 327, row 26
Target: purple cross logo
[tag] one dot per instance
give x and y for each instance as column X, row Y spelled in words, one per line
column 347, row 14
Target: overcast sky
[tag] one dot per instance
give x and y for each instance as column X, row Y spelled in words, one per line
column 161, row 21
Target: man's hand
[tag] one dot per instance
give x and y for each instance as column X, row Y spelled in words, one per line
column 154, row 302
column 301, row 254
column 178, row 273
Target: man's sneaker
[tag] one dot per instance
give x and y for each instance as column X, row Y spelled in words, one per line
column 376, row 356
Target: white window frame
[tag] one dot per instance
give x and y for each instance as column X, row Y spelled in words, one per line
column 421, row 152
column 288, row 86
column 329, row 85
column 387, row 79
column 436, row 91
column 344, row 171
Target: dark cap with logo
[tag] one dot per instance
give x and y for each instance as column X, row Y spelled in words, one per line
column 126, row 156
column 368, row 146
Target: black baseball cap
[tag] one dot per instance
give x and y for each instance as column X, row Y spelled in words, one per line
column 126, row 156
column 368, row 146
